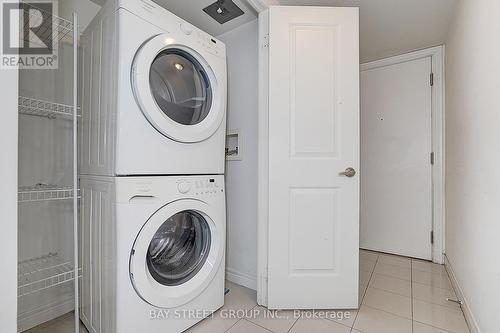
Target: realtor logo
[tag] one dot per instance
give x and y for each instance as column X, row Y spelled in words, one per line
column 29, row 35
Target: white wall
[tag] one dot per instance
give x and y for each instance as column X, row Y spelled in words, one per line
column 241, row 176
column 8, row 199
column 473, row 157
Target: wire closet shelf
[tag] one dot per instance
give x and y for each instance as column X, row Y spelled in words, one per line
column 37, row 274
column 44, row 192
column 51, row 29
column 41, row 108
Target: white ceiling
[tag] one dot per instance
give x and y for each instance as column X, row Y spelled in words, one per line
column 192, row 11
column 392, row 27
column 387, row 27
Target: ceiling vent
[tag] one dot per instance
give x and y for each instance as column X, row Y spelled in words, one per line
column 223, row 11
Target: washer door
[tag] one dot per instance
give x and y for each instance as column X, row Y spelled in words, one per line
column 176, row 254
column 177, row 90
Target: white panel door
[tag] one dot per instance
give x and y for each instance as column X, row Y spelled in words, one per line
column 313, row 137
column 396, row 184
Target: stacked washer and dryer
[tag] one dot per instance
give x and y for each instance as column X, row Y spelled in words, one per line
column 152, row 171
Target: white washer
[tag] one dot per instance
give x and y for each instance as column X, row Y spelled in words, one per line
column 154, row 94
column 155, row 261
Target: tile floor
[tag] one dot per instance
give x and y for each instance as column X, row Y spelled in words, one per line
column 397, row 295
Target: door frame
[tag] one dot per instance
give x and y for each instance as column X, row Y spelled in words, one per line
column 437, row 55
column 263, row 159
column 9, row 79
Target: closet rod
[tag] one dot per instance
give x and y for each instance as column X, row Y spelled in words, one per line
column 75, row 168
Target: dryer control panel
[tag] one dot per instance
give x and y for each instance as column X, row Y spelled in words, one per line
column 210, row 44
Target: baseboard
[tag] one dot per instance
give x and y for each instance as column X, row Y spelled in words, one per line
column 469, row 316
column 45, row 314
column 243, row 279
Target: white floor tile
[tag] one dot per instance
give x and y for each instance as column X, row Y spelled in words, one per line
column 426, row 266
column 371, row 320
column 244, row 326
column 318, row 326
column 392, row 284
column 344, row 317
column 432, row 279
column 362, row 292
column 366, row 265
column 434, row 295
column 389, row 302
column 217, row 324
column 368, row 255
column 386, row 305
column 439, row 316
column 364, row 277
column 394, row 260
column 239, row 297
column 399, row 272
column 276, row 321
column 362, row 289
column 423, row 328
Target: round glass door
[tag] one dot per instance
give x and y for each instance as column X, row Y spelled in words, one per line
column 179, row 248
column 177, row 253
column 180, row 87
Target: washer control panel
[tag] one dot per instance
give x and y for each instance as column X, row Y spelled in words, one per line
column 201, row 186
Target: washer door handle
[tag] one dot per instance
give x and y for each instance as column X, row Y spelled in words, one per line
column 141, row 197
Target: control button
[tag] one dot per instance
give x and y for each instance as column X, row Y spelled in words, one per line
column 186, row 28
column 184, row 187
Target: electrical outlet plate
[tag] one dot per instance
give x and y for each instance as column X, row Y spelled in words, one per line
column 233, row 145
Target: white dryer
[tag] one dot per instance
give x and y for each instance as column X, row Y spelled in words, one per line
column 154, row 94
column 155, row 261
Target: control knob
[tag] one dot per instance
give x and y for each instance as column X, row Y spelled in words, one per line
column 184, row 187
column 186, row 28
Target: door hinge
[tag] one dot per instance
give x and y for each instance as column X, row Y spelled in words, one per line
column 432, row 158
column 432, row 237
column 265, row 43
column 432, row 80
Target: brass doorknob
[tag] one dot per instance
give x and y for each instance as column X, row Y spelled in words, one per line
column 349, row 172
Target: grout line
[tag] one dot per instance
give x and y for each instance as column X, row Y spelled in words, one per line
column 391, row 254
column 266, row 327
column 295, row 322
column 394, row 277
column 392, row 292
column 397, row 265
column 364, row 293
column 251, row 322
column 433, row 286
column 411, row 294
column 233, row 325
column 439, row 328
column 392, row 314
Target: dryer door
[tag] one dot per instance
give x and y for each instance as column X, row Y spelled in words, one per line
column 176, row 254
column 177, row 90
